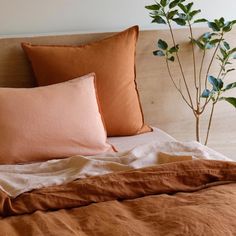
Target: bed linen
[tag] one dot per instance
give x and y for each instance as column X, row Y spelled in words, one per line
column 184, row 198
column 126, row 143
column 125, row 193
column 17, row 179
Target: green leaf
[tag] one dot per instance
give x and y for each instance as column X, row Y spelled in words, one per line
column 215, row 41
column 206, row 35
column 179, row 21
column 189, row 6
column 230, row 100
column 172, row 58
column 183, row 8
column 216, row 83
column 206, row 93
column 174, row 49
column 230, row 70
column 194, row 13
column 220, row 84
column 230, row 86
column 213, row 26
column 222, row 20
column 163, row 3
column 162, row 44
column 227, row 46
column 182, row 16
column 228, row 26
column 232, row 50
column 224, row 53
column 198, row 43
column 202, row 20
column 155, row 7
column 159, row 20
column 171, row 14
column 209, row 45
column 159, row 53
column 174, row 3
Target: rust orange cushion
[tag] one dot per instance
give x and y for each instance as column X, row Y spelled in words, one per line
column 55, row 121
column 113, row 61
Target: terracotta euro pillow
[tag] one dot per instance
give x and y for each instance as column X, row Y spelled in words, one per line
column 113, row 61
column 55, row 121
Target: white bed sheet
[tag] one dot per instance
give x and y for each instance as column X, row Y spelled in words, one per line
column 123, row 144
column 134, row 152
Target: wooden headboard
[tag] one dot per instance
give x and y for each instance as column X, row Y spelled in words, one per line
column 162, row 105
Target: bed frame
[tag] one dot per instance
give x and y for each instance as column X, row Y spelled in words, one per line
column 162, row 105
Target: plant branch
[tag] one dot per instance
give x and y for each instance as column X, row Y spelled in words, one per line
column 180, row 65
column 200, row 75
column 179, row 89
column 197, row 116
column 211, row 115
column 194, row 58
column 204, row 106
column 212, row 59
column 210, row 122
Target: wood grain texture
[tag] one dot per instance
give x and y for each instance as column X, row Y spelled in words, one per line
column 162, row 105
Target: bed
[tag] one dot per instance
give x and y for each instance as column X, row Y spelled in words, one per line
column 153, row 185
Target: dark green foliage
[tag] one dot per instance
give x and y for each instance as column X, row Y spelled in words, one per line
column 154, row 7
column 201, row 20
column 216, row 83
column 230, row 100
column 183, row 13
column 159, row 53
column 179, row 21
column 172, row 58
column 230, row 86
column 162, row 44
column 206, row 93
column 159, row 20
column 174, row 49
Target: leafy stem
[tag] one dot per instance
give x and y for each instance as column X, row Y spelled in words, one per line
column 212, row 59
column 182, row 13
column 180, row 65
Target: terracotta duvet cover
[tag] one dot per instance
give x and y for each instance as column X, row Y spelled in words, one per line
column 184, row 198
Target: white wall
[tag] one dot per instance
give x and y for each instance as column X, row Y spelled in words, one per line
column 48, row 16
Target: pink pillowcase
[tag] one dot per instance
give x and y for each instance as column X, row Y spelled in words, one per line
column 55, row 121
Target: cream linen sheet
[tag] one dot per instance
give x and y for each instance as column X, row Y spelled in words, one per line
column 17, row 179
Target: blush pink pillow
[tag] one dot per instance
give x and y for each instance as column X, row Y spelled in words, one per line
column 55, row 121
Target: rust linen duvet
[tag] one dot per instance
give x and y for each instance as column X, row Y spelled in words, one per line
column 184, row 198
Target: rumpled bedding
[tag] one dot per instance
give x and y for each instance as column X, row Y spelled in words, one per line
column 196, row 197
column 160, row 188
column 18, row 179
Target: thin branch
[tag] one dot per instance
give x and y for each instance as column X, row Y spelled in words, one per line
column 223, row 65
column 180, row 65
column 200, row 75
column 194, row 57
column 209, row 124
column 197, row 127
column 208, row 100
column 212, row 59
column 179, row 90
column 204, row 106
column 211, row 115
